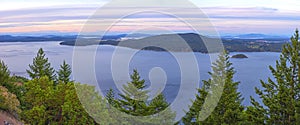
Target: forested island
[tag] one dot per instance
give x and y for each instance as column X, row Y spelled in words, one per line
column 239, row 56
column 195, row 42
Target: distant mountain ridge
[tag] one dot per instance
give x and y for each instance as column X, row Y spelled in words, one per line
column 13, row 38
column 9, row 38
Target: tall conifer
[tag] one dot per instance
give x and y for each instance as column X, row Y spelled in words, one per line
column 229, row 109
column 4, row 73
column 64, row 73
column 41, row 67
column 281, row 95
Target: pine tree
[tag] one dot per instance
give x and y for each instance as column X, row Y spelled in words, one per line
column 9, row 82
column 110, row 97
column 41, row 67
column 158, row 104
column 118, row 118
column 165, row 115
column 134, row 100
column 255, row 114
column 97, row 106
column 135, row 103
column 5, row 79
column 71, row 111
column 4, row 73
column 64, row 73
column 280, row 95
column 229, row 109
column 49, row 104
column 38, row 99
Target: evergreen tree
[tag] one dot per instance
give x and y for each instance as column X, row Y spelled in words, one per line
column 49, row 104
column 10, row 83
column 229, row 109
column 4, row 73
column 134, row 102
column 280, row 95
column 110, row 97
column 255, row 114
column 64, row 73
column 96, row 106
column 113, row 113
column 5, row 77
column 41, row 67
column 158, row 104
column 71, row 111
column 38, row 99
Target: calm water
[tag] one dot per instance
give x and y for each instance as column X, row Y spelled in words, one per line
column 248, row 71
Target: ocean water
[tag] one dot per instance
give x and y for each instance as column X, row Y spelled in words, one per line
column 162, row 71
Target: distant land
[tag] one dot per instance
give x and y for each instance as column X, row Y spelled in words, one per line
column 257, row 36
column 195, row 41
column 238, row 43
column 239, row 56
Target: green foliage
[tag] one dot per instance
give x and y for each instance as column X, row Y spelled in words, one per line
column 255, row 114
column 12, row 84
column 97, row 106
column 38, row 98
column 136, row 105
column 4, row 73
column 9, row 101
column 41, row 67
column 110, row 97
column 16, row 89
column 281, row 97
column 49, row 104
column 134, row 100
column 15, row 85
column 229, row 109
column 70, row 110
column 158, row 104
column 18, row 79
column 64, row 73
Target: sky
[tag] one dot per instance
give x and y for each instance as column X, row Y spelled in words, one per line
column 228, row 17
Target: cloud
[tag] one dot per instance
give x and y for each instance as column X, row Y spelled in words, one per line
column 251, row 13
column 225, row 19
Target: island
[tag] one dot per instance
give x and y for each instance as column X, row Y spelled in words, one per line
column 194, row 42
column 239, row 56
